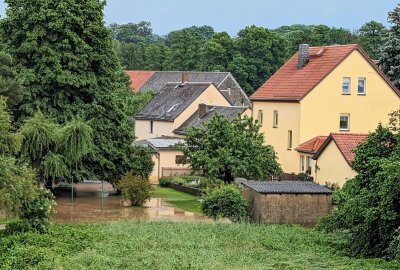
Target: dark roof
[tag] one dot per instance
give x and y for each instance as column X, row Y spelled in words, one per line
column 160, row 78
column 164, row 142
column 196, row 121
column 286, row 187
column 345, row 142
column 171, row 101
column 290, row 83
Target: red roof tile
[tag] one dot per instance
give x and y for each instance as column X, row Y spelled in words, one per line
column 139, row 78
column 292, row 84
column 346, row 143
column 311, row 146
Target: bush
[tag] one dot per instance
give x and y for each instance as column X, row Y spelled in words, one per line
column 225, row 201
column 165, row 181
column 35, row 214
column 135, row 188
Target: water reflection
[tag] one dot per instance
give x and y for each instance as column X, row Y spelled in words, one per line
column 91, row 207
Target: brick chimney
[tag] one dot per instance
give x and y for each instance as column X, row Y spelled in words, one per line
column 202, row 110
column 185, row 77
column 304, row 56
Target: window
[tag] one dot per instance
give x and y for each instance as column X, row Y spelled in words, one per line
column 180, row 160
column 260, row 117
column 302, row 164
column 151, row 126
column 345, row 121
column 290, row 140
column 346, row 85
column 309, row 165
column 276, row 119
column 361, row 86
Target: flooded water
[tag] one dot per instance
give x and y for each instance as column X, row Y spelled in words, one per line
column 89, row 206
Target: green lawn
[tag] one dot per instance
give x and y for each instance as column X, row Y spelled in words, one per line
column 178, row 199
column 168, row 245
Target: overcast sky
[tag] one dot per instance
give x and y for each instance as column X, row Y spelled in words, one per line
column 233, row 15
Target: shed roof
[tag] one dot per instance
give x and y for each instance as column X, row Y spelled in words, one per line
column 196, row 121
column 286, row 187
column 160, row 143
column 290, row 83
column 171, row 101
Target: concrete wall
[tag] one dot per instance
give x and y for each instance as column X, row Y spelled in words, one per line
column 160, row 128
column 332, row 167
column 303, row 209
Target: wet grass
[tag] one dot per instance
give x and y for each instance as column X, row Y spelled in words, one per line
column 178, row 199
column 167, row 245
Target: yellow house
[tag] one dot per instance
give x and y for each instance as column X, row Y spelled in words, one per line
column 321, row 90
column 334, row 158
column 163, row 123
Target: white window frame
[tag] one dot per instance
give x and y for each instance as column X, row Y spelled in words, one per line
column 260, row 117
column 349, row 90
column 365, row 86
column 348, row 122
column 151, row 127
column 290, row 139
column 276, row 119
column 302, row 164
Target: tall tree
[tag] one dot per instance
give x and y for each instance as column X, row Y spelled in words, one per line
column 390, row 61
column 218, row 52
column 371, row 38
column 264, row 51
column 10, row 84
column 65, row 53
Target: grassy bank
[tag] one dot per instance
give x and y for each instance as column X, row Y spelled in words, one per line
column 178, row 199
column 164, row 245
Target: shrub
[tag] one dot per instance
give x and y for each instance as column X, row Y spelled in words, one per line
column 35, row 214
column 135, row 188
column 165, row 181
column 225, row 201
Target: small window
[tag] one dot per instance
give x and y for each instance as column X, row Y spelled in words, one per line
column 346, row 85
column 260, row 117
column 276, row 119
column 309, row 165
column 302, row 164
column 180, row 160
column 361, row 86
column 290, row 140
column 151, row 127
column 345, row 121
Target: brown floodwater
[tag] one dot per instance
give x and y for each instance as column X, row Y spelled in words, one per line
column 90, row 207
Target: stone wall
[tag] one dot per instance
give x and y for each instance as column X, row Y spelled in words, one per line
column 302, row 209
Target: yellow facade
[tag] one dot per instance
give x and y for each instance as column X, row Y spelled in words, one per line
column 332, row 167
column 163, row 160
column 318, row 113
column 211, row 96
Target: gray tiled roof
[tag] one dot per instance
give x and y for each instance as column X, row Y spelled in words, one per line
column 161, row 78
column 163, row 142
column 195, row 121
column 171, row 101
column 286, row 187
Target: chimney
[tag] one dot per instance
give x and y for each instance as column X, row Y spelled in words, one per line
column 202, row 110
column 185, row 77
column 304, row 56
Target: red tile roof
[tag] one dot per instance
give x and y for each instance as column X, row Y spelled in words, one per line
column 139, row 78
column 292, row 84
column 346, row 143
column 311, row 146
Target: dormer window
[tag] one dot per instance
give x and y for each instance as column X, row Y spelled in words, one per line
column 361, row 86
column 346, row 86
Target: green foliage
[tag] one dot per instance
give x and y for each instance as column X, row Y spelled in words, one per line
column 69, row 67
column 371, row 38
column 35, row 214
column 225, row 150
column 368, row 205
column 135, row 188
column 389, row 61
column 177, row 199
column 225, row 202
column 142, row 164
column 165, row 181
column 53, row 166
column 10, row 82
column 10, row 142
